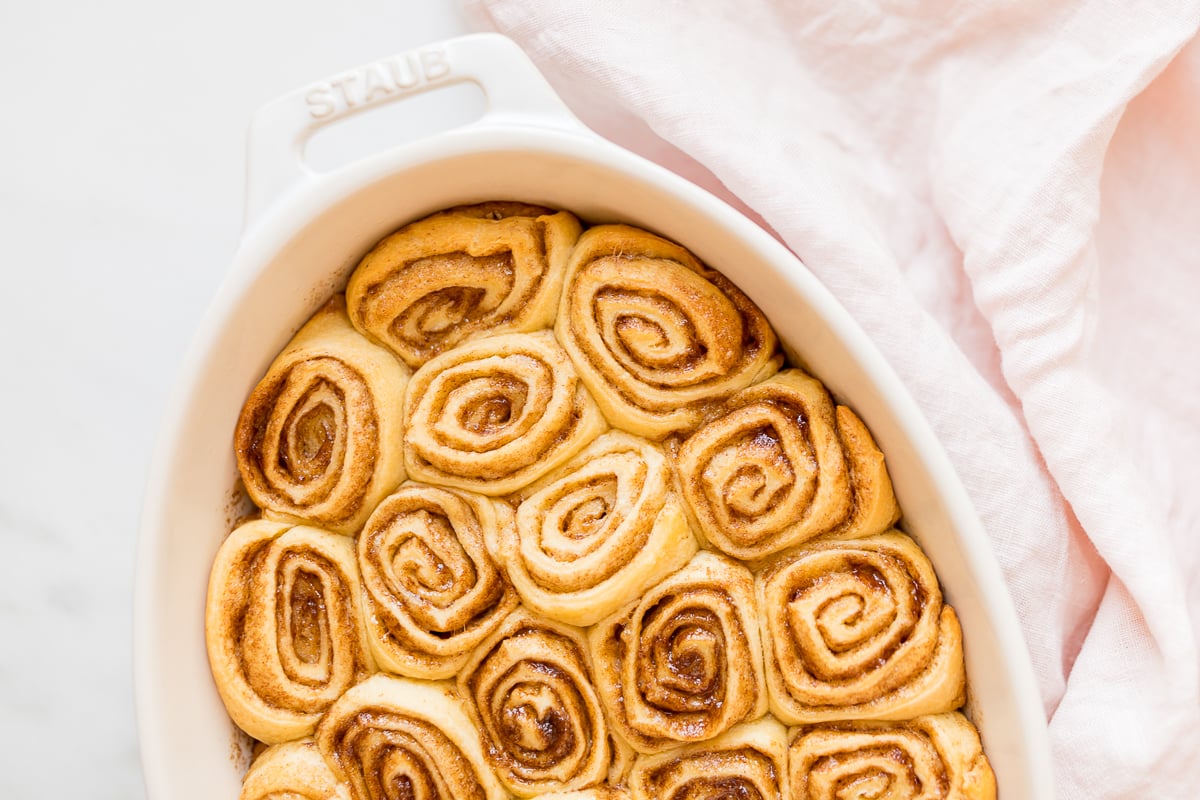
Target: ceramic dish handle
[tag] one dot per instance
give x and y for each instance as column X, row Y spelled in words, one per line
column 516, row 93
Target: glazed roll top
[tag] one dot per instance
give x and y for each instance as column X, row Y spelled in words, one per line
column 292, row 771
column 783, row 466
column 747, row 762
column 496, row 414
column 401, row 739
column 658, row 337
column 529, row 688
column 598, row 531
column 284, row 628
column 856, row 629
column 921, row 759
column 684, row 662
column 432, row 590
column 461, row 273
column 319, row 439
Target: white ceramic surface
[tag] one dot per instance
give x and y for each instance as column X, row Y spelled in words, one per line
column 306, row 231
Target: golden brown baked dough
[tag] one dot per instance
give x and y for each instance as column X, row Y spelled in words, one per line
column 461, row 273
column 658, row 337
column 684, row 662
column 782, row 466
column 922, row 759
column 284, row 627
column 595, row 793
column 598, row 531
column 292, row 771
column 532, row 517
column 431, row 588
column 856, row 629
column 319, row 439
column 397, row 738
column 747, row 762
column 495, row 414
column 529, row 689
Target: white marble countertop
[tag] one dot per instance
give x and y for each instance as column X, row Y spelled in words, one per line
column 121, row 175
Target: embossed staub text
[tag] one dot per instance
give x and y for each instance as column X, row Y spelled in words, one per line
column 377, row 82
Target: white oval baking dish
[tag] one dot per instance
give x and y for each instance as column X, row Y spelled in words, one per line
column 306, row 231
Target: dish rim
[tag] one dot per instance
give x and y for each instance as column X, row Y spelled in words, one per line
column 302, row 203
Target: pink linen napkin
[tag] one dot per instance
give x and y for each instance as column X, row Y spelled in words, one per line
column 1006, row 195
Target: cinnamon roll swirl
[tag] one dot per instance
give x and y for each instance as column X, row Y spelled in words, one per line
column 529, row 688
column 784, row 466
column 922, row 759
column 284, row 627
column 747, row 762
column 461, row 273
column 856, row 629
column 292, row 771
column 495, row 414
column 400, row 739
column 658, row 337
column 431, row 587
column 598, row 531
column 319, row 439
column 684, row 662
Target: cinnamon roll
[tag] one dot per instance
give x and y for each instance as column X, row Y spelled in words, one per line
column 295, row 771
column 431, row 588
column 683, row 663
column 598, row 531
column 397, row 739
column 595, row 793
column 284, row 627
column 529, row 689
column 783, row 466
column 495, row 414
column 928, row 757
column 658, row 337
column 319, row 439
column 747, row 762
column 856, row 629
column 527, row 430
column 461, row 273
